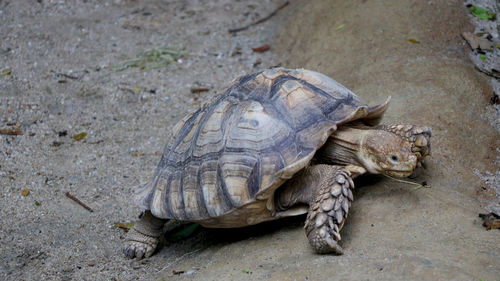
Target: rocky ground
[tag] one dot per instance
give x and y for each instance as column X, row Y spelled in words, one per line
column 68, row 68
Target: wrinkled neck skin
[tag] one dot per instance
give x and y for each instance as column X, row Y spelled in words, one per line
column 343, row 148
column 348, row 146
column 377, row 151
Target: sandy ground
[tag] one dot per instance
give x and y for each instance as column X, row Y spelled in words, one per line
column 62, row 55
column 59, row 78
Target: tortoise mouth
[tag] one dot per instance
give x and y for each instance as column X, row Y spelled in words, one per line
column 399, row 173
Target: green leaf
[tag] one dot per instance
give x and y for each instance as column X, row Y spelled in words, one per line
column 185, row 232
column 339, row 27
column 482, row 56
column 155, row 58
column 482, row 13
column 37, row 203
column 413, row 40
column 80, row 136
column 245, row 271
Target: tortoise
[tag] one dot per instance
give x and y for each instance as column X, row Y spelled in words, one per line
column 274, row 144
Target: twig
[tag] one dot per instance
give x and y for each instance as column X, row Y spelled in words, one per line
column 410, row 182
column 67, row 76
column 234, row 30
column 195, row 90
column 78, row 201
column 179, row 258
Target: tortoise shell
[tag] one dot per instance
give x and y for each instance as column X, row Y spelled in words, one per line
column 223, row 162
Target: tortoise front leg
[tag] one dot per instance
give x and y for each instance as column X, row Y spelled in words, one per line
column 328, row 210
column 327, row 190
column 142, row 239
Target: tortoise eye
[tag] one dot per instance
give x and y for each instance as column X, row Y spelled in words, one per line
column 394, row 158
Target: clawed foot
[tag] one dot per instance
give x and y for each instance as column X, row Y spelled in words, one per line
column 324, row 240
column 328, row 212
column 139, row 246
column 417, row 136
column 142, row 239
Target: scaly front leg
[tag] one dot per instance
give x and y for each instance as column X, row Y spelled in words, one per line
column 328, row 210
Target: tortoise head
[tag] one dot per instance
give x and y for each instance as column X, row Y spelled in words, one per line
column 382, row 152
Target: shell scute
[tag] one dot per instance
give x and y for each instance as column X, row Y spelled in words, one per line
column 299, row 103
column 238, row 171
column 256, row 129
column 212, row 131
column 210, row 186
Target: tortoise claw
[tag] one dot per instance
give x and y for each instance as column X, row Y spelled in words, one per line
column 139, row 245
column 324, row 242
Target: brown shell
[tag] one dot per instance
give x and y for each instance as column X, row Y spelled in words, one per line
column 224, row 161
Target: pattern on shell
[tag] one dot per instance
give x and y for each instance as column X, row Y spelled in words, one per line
column 240, row 146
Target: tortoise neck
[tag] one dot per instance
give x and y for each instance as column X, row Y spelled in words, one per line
column 342, row 147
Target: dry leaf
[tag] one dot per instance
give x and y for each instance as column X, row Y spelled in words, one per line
column 124, row 226
column 25, row 192
column 476, row 42
column 471, row 39
column 14, row 131
column 490, row 221
column 262, row 48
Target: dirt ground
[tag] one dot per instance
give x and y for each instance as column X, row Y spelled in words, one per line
column 62, row 74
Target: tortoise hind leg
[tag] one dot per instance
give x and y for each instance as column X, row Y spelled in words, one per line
column 142, row 239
